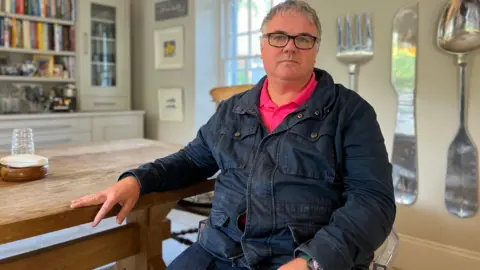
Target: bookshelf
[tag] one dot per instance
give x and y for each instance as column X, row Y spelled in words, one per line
column 92, row 50
column 35, row 79
column 34, row 51
column 37, row 41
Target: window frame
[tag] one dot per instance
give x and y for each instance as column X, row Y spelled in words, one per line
column 229, row 70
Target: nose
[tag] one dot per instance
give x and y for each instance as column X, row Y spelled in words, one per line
column 290, row 45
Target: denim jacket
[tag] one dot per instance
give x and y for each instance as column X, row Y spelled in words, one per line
column 320, row 183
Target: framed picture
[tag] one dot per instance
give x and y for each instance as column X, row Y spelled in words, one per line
column 44, row 65
column 170, row 104
column 169, row 48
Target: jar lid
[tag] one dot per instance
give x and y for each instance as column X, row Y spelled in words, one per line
column 24, row 161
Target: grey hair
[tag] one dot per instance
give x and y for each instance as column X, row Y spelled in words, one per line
column 294, row 5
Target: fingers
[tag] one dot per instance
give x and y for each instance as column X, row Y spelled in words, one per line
column 125, row 210
column 106, row 207
column 88, row 200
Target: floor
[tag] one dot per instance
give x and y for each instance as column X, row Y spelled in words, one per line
column 180, row 220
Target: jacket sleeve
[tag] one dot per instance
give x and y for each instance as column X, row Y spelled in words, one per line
column 359, row 227
column 190, row 165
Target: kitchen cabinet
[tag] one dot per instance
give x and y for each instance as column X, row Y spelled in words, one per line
column 107, row 128
column 73, row 128
column 103, row 50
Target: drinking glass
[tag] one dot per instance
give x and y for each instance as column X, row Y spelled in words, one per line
column 22, row 141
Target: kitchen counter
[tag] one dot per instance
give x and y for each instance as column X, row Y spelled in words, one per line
column 51, row 129
column 64, row 115
column 34, row 208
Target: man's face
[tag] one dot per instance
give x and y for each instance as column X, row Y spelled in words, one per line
column 289, row 62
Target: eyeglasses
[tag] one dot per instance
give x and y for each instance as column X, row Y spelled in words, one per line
column 280, row 40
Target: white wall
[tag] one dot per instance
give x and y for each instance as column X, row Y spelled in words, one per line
column 198, row 76
column 437, row 122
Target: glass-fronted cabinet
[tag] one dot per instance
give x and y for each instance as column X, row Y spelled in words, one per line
column 103, row 45
column 104, row 54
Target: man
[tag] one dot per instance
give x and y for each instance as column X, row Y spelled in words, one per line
column 305, row 180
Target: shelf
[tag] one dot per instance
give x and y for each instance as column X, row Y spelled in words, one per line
column 98, row 20
column 35, row 51
column 37, row 18
column 103, row 39
column 34, row 79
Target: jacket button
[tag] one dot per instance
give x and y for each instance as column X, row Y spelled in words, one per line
column 314, row 134
column 237, row 134
column 316, row 113
column 299, row 115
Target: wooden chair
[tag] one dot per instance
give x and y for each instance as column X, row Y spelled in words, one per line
column 221, row 93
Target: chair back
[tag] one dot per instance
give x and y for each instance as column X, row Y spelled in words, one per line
column 225, row 92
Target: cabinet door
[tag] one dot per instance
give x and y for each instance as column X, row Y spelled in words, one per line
column 110, row 128
column 104, row 31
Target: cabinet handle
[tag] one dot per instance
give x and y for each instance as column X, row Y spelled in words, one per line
column 104, row 103
column 85, row 41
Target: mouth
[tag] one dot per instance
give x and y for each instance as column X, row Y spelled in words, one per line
column 289, row 61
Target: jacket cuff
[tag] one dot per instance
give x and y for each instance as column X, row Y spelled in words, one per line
column 132, row 173
column 304, row 256
column 325, row 253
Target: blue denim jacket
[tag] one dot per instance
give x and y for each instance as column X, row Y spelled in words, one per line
column 320, row 183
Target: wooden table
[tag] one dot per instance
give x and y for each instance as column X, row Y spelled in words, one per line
column 43, row 206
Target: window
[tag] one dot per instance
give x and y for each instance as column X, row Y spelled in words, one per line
column 241, row 36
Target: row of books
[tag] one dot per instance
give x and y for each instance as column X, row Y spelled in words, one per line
column 60, row 9
column 26, row 34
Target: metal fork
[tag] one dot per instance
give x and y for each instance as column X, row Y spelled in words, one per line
column 354, row 48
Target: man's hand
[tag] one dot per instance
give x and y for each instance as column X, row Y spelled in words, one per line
column 125, row 192
column 296, row 264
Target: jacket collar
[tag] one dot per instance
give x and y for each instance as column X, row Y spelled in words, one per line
column 319, row 103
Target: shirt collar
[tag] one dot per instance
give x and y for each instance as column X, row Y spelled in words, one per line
column 265, row 100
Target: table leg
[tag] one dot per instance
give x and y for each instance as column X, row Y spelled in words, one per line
column 154, row 228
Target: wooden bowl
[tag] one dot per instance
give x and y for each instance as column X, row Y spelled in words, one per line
column 12, row 174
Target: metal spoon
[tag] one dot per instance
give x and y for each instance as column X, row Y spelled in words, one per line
column 458, row 33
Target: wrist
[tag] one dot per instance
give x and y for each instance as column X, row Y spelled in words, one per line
column 305, row 257
column 311, row 264
column 134, row 182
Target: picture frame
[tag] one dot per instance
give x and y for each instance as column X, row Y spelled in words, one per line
column 170, row 104
column 44, row 65
column 169, row 48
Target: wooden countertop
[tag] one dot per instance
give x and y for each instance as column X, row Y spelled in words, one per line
column 75, row 171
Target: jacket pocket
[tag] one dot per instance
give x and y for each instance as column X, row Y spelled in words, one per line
column 214, row 239
column 235, row 146
column 308, row 151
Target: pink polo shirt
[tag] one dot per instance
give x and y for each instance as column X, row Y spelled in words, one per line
column 271, row 114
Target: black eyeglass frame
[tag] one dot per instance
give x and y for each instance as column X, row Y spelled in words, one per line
column 268, row 35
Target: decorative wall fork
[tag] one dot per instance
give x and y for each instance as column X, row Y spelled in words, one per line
column 354, row 48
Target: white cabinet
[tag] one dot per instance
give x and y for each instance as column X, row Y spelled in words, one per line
column 107, row 128
column 103, row 49
column 73, row 128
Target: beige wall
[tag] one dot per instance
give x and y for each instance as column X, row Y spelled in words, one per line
column 437, row 116
column 437, row 110
column 199, row 75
